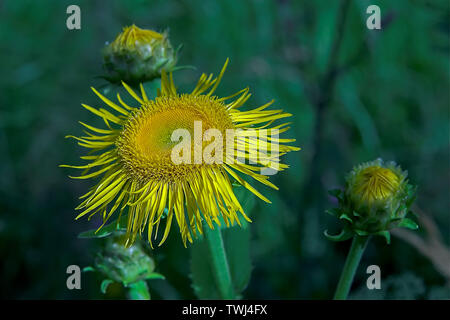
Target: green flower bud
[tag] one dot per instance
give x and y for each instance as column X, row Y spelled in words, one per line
column 376, row 198
column 138, row 55
column 125, row 265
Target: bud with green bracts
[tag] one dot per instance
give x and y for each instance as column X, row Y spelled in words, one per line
column 377, row 197
column 124, row 265
column 138, row 55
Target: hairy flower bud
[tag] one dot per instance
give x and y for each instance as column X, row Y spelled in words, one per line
column 138, row 55
column 125, row 265
column 376, row 198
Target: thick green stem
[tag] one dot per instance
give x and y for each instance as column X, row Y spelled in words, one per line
column 219, row 262
column 351, row 264
column 138, row 291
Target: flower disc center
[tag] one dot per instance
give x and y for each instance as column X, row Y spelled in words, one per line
column 147, row 141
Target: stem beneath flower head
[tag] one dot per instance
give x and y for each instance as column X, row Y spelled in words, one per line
column 351, row 264
column 138, row 291
column 219, row 261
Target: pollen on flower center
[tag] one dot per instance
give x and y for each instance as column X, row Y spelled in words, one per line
column 145, row 145
column 376, row 183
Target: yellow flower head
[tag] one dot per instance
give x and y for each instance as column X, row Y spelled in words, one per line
column 138, row 55
column 137, row 157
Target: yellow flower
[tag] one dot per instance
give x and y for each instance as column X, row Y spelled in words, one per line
column 133, row 156
column 138, row 55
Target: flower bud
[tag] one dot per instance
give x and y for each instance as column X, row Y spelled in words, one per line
column 124, row 265
column 376, row 198
column 138, row 55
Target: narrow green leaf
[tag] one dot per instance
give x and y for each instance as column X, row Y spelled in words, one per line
column 155, row 275
column 408, row 223
column 237, row 246
column 201, row 272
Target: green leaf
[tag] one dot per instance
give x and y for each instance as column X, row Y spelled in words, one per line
column 357, row 111
column 202, row 277
column 408, row 223
column 237, row 246
column 155, row 275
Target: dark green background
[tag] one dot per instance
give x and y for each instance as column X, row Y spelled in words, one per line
column 356, row 94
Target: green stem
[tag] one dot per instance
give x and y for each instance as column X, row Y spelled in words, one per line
column 221, row 270
column 351, row 264
column 138, row 291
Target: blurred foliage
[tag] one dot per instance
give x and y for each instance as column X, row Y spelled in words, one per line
column 356, row 94
column 405, row 286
